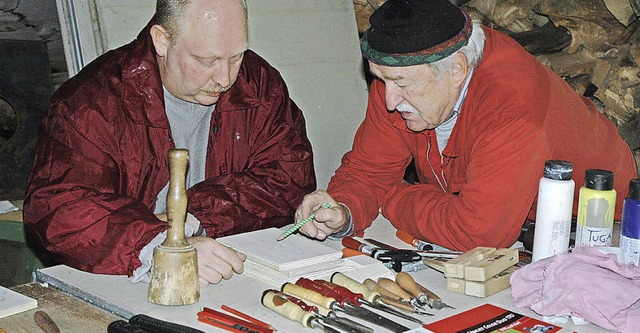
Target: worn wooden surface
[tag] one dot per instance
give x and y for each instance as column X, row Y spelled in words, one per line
column 69, row 314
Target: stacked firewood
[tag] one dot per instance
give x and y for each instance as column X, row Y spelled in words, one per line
column 593, row 44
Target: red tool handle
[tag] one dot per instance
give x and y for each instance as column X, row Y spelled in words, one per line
column 405, row 237
column 344, row 293
column 321, row 289
column 352, row 243
column 300, row 303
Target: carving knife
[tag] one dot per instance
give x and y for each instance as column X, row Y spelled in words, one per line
column 325, row 319
column 375, row 299
column 324, row 303
column 292, row 311
column 424, row 295
column 350, row 308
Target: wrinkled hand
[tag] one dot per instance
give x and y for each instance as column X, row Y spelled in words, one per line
column 215, row 261
column 326, row 221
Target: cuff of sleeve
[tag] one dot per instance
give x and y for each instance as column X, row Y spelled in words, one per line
column 346, row 230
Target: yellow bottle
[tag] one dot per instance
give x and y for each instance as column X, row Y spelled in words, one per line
column 596, row 207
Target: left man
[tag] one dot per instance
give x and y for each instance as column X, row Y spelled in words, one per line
column 96, row 195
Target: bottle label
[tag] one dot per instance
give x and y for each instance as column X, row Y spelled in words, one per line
column 593, row 236
column 630, row 248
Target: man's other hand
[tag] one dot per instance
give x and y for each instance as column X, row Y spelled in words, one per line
column 326, row 221
column 215, row 261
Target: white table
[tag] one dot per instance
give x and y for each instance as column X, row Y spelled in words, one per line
column 243, row 293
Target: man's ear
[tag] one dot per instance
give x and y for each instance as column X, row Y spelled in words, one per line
column 460, row 69
column 160, row 39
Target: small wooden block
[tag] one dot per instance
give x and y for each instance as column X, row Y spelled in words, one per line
column 492, row 264
column 499, row 282
column 455, row 267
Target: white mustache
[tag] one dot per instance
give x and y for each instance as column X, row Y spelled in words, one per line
column 406, row 107
column 215, row 89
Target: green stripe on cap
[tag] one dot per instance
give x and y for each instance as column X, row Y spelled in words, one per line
column 402, row 60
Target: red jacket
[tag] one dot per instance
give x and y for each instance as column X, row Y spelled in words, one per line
column 102, row 160
column 517, row 114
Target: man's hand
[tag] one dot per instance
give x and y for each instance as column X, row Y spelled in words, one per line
column 215, row 261
column 326, row 221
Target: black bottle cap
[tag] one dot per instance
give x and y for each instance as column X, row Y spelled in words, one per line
column 558, row 169
column 634, row 189
column 598, row 179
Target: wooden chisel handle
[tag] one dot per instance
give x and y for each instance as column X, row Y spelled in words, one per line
column 393, row 287
column 405, row 281
column 287, row 309
column 308, row 294
column 45, row 322
column 373, row 285
column 355, row 286
column 402, row 305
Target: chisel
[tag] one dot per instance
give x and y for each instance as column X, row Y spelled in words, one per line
column 393, row 287
column 290, row 310
column 323, row 303
column 370, row 298
column 424, row 295
column 350, row 308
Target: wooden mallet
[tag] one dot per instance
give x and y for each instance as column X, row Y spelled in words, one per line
column 174, row 273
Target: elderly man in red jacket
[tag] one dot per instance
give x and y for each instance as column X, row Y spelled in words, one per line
column 97, row 192
column 478, row 114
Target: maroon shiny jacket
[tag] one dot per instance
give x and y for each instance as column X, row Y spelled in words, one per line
column 102, row 160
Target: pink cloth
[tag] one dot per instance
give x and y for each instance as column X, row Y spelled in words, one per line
column 585, row 283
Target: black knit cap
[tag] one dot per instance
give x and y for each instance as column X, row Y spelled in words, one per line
column 410, row 32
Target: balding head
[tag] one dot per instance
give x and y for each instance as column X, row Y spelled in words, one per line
column 170, row 14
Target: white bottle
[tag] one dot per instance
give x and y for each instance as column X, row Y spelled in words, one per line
column 554, row 210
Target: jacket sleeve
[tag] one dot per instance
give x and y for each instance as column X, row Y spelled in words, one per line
column 488, row 210
column 74, row 206
column 272, row 180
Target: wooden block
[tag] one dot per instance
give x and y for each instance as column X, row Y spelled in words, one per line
column 456, row 285
column 455, row 267
column 436, row 264
column 491, row 264
column 499, row 282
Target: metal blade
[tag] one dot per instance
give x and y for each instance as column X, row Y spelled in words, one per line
column 317, row 323
column 346, row 325
column 392, row 311
column 380, row 244
column 373, row 318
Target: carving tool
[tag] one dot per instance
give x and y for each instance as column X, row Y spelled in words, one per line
column 45, row 322
column 420, row 245
column 358, row 299
column 231, row 323
column 292, row 311
column 299, row 225
column 393, row 287
column 394, row 259
column 393, row 299
column 323, row 302
column 425, row 249
column 160, row 326
column 120, row 326
column 351, row 308
column 342, row 324
column 174, row 271
column 369, row 297
column 424, row 295
column 380, row 244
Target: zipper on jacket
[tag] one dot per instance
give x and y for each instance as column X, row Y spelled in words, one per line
column 435, row 174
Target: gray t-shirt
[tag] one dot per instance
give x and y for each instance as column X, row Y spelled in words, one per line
column 190, row 123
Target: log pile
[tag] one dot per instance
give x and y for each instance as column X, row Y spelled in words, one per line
column 593, row 44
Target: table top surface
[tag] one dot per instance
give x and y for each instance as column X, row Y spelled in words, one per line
column 242, row 293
